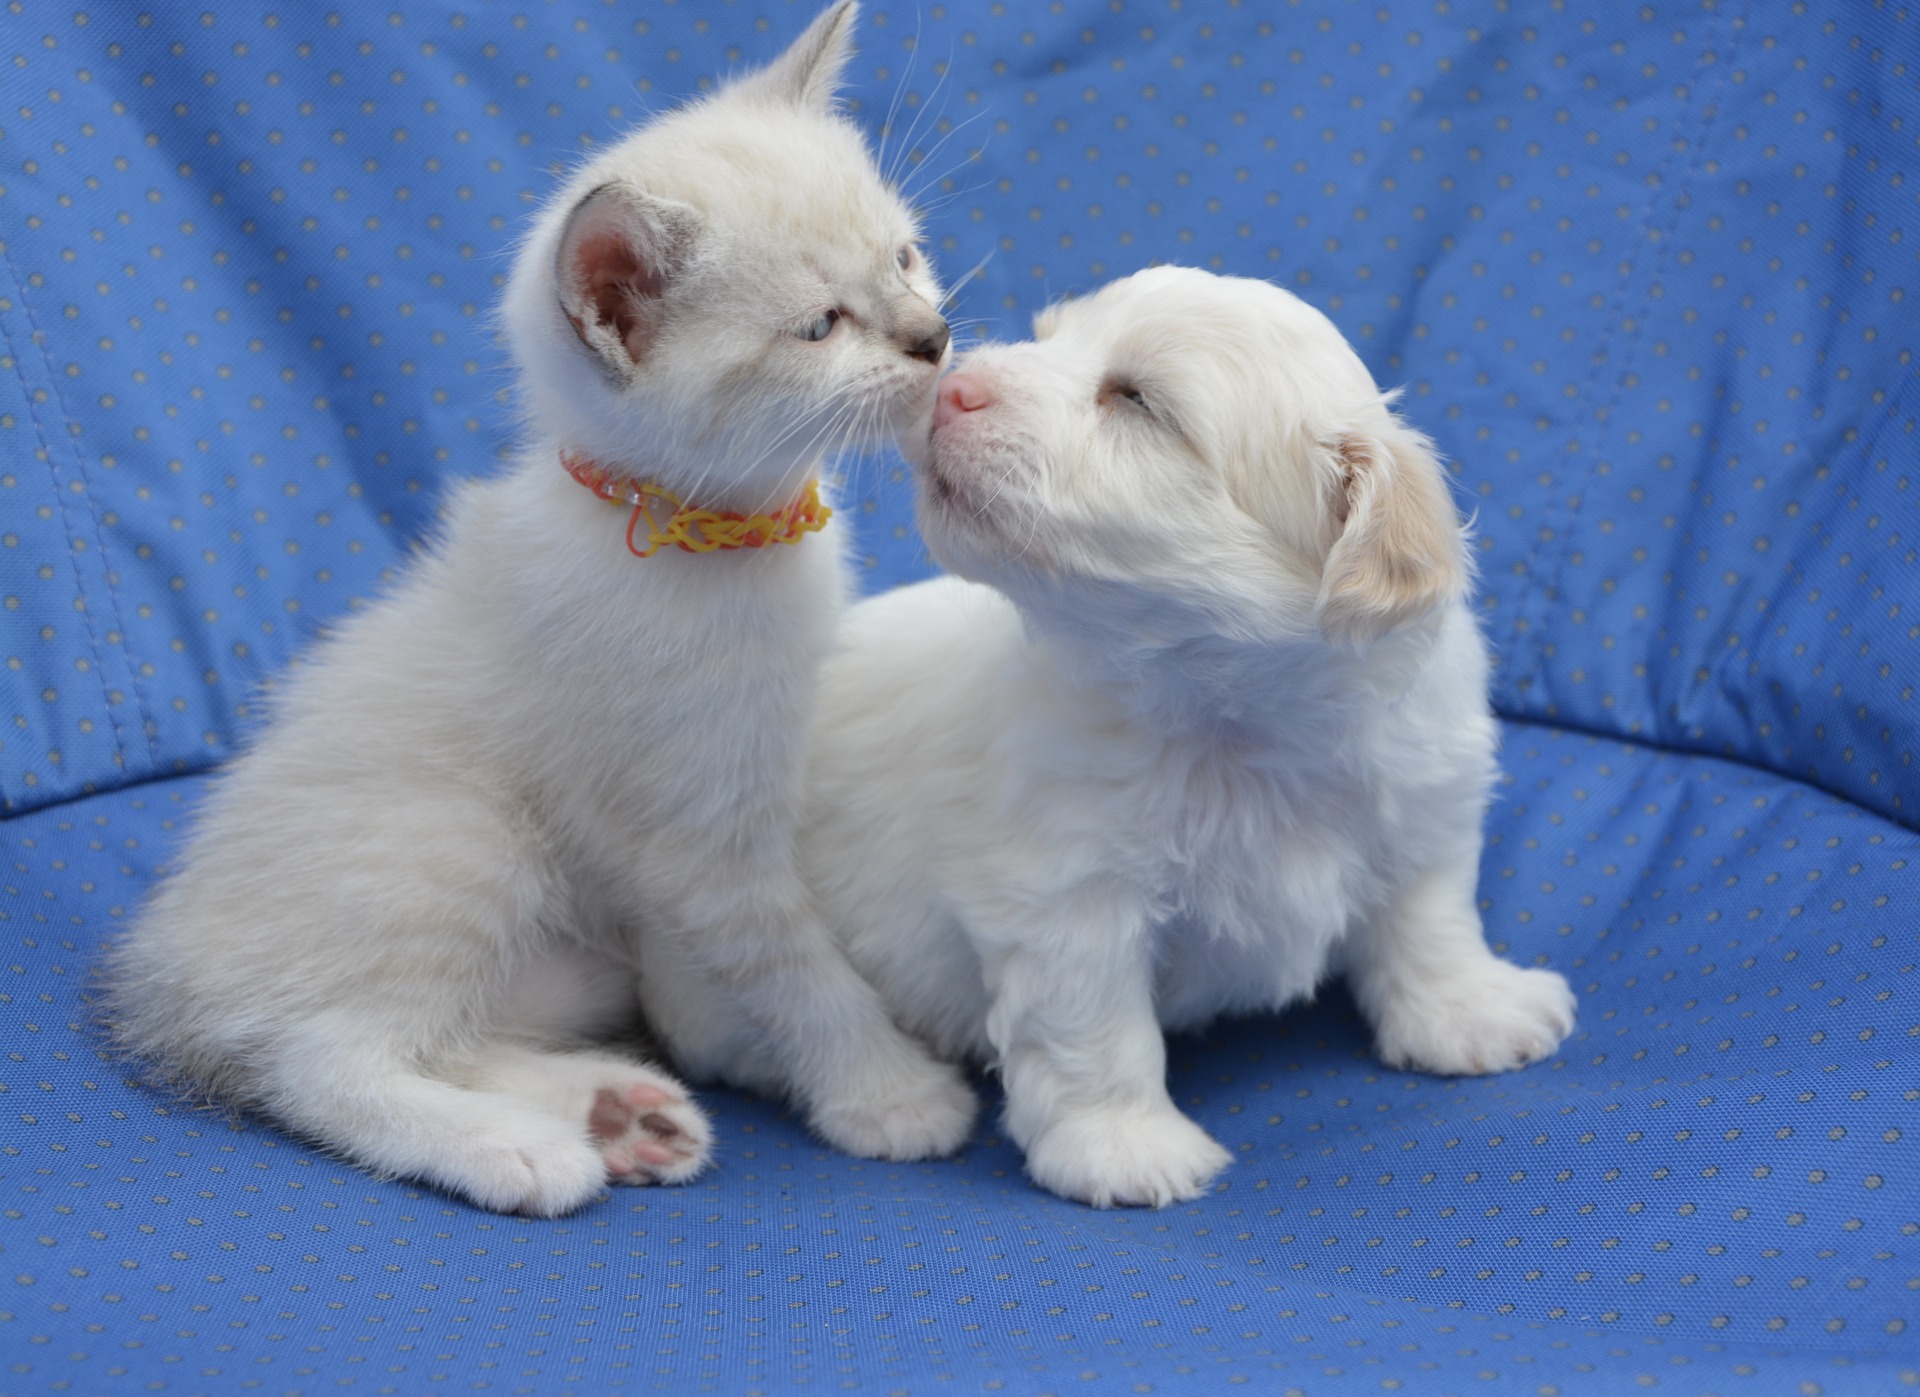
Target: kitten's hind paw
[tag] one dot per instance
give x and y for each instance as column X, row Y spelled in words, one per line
column 919, row 1108
column 649, row 1132
column 535, row 1176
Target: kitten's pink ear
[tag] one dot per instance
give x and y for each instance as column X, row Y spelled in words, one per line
column 619, row 252
column 1399, row 552
column 809, row 72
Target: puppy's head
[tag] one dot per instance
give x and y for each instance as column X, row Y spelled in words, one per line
column 1189, row 455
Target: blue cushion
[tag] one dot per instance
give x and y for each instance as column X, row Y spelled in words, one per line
column 1643, row 273
column 1707, row 1183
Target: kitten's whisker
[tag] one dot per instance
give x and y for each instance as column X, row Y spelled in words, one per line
column 806, row 451
column 819, row 447
column 836, row 436
column 858, row 431
column 899, row 90
column 866, row 426
column 915, row 175
column 949, row 196
column 946, row 136
column 905, row 149
column 856, row 412
column 890, row 171
column 924, row 172
column 827, row 410
column 958, row 286
column 791, row 430
column 862, row 430
column 845, row 457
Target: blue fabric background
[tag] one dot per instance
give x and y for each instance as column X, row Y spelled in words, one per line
column 1644, row 272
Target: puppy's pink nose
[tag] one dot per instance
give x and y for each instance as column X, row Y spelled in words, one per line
column 959, row 393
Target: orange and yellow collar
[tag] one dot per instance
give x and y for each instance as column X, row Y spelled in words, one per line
column 697, row 530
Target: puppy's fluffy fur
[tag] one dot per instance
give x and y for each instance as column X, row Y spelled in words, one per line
column 1215, row 727
column 542, row 764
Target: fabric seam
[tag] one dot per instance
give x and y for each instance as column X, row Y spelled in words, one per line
column 141, row 708
column 1546, row 585
column 53, row 476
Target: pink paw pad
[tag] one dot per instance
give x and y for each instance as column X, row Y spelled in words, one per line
column 649, row 1134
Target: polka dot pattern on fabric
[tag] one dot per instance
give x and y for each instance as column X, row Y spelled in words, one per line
column 1709, row 1181
column 1642, row 270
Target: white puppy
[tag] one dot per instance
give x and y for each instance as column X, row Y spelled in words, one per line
column 1221, row 731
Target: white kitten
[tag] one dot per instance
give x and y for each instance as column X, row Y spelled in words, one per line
column 543, row 762
column 1229, row 734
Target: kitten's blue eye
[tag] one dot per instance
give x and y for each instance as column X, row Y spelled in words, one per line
column 1134, row 396
column 905, row 256
column 822, row 327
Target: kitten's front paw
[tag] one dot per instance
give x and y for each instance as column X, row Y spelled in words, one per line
column 919, row 1108
column 649, row 1132
column 1149, row 1156
column 1493, row 1017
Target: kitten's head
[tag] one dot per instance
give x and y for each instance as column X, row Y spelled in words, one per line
column 731, row 290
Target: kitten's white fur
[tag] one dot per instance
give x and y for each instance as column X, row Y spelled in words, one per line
column 542, row 763
column 1222, row 728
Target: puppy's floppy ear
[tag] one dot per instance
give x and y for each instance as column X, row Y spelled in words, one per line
column 809, row 72
column 1398, row 552
column 619, row 252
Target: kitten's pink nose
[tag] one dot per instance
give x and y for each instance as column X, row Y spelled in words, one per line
column 959, row 393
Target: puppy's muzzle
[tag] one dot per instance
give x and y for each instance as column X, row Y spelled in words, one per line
column 960, row 393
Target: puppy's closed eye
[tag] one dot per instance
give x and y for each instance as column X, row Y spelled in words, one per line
column 1128, row 394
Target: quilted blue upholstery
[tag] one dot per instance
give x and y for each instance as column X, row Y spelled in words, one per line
column 1644, row 271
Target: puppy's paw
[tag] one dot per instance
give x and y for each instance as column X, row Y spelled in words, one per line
column 1492, row 1017
column 916, row 1108
column 1144, row 1157
column 648, row 1131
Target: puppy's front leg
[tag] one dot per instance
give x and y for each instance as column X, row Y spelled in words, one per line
column 1083, row 1059
column 1438, row 998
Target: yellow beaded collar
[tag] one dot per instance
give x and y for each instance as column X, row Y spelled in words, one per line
column 697, row 530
